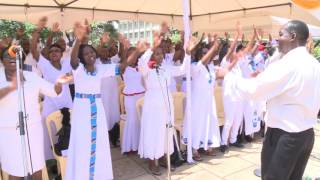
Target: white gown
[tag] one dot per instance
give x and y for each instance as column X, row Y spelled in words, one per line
column 252, row 109
column 204, row 122
column 167, row 62
column 133, row 91
column 110, row 95
column 89, row 149
column 11, row 158
column 50, row 104
column 233, row 108
column 157, row 109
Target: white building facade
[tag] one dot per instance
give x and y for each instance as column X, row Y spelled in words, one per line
column 136, row 30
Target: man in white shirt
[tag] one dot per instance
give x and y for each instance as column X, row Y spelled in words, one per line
column 293, row 100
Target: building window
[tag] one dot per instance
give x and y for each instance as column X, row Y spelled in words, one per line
column 147, row 25
column 135, row 25
column 130, row 26
column 148, row 34
column 136, row 35
column 130, row 35
column 141, row 24
column 141, row 35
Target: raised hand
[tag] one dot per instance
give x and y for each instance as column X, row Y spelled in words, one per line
column 270, row 38
column 192, row 44
column 210, row 38
column 64, row 79
column 121, row 38
column 261, row 33
column 87, row 26
column 105, row 37
column 157, row 39
column 19, row 32
column 79, row 31
column 126, row 44
column 217, row 42
column 164, row 28
column 227, row 35
column 42, row 23
column 55, row 27
column 142, row 46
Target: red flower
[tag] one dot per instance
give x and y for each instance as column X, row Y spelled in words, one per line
column 152, row 64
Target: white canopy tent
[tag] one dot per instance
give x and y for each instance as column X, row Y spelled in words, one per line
column 206, row 15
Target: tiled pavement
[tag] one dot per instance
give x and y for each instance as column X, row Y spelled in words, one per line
column 234, row 165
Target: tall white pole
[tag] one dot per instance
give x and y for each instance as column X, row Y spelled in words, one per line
column 187, row 33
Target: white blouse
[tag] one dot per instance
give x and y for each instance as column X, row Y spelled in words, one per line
column 33, row 86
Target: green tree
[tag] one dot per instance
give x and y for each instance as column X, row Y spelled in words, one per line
column 99, row 28
column 316, row 52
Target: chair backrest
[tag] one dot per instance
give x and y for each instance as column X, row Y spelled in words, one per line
column 179, row 104
column 54, row 120
column 139, row 106
column 219, row 104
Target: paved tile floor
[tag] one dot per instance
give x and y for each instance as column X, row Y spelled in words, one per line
column 237, row 164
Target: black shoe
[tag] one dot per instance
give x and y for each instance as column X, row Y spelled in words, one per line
column 164, row 164
column 223, row 148
column 248, row 138
column 237, row 144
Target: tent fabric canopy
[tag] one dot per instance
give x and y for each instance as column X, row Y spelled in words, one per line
column 207, row 15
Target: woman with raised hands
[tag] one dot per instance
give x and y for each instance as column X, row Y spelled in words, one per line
column 158, row 112
column 204, row 122
column 50, row 63
column 89, row 149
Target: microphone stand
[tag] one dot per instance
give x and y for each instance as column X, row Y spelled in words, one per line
column 22, row 116
column 169, row 126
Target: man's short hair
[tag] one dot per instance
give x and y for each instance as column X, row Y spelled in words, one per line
column 300, row 29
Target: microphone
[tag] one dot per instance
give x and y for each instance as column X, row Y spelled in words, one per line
column 13, row 50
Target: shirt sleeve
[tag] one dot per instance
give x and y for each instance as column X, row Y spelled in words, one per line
column 110, row 69
column 43, row 63
column 143, row 62
column 46, row 88
column 179, row 70
column 273, row 81
column 67, row 64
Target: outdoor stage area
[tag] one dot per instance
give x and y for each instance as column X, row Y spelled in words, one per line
column 234, row 165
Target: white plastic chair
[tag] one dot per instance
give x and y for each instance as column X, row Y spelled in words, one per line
column 55, row 119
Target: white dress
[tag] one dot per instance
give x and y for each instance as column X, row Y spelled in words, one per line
column 252, row 109
column 89, row 149
column 11, row 158
column 110, row 95
column 157, row 109
column 132, row 91
column 233, row 108
column 50, row 105
column 167, row 63
column 204, row 122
